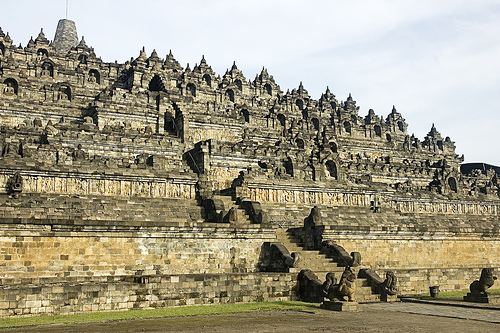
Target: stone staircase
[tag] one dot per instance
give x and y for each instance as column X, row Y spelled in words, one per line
column 293, row 215
column 242, row 217
column 286, row 214
column 320, row 264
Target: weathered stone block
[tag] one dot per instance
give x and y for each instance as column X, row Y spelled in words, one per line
column 341, row 306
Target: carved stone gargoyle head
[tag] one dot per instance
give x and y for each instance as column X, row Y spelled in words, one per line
column 16, row 183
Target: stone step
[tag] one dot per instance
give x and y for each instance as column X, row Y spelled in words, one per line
column 363, row 290
column 318, row 263
column 57, row 207
column 314, row 264
column 312, row 260
column 314, row 268
column 243, row 218
column 295, row 240
column 321, row 273
column 312, row 256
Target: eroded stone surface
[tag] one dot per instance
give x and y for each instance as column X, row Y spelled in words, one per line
column 148, row 168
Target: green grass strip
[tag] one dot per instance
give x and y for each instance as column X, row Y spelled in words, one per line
column 452, row 295
column 183, row 311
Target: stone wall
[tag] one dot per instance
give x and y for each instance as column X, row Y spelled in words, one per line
column 429, row 252
column 101, row 184
column 302, row 195
column 145, row 293
column 418, row 281
column 38, row 252
column 116, row 160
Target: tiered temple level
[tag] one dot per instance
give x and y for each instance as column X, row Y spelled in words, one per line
column 148, row 169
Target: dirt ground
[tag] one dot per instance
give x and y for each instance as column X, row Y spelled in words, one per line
column 371, row 318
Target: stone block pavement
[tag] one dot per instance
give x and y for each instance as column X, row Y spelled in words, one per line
column 375, row 317
column 450, row 309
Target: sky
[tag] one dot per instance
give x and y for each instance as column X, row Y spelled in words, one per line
column 436, row 61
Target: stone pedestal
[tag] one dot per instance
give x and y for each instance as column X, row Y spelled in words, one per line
column 389, row 298
column 340, row 306
column 482, row 298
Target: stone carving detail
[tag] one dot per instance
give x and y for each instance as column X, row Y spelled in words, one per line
column 203, row 187
column 484, row 283
column 310, row 287
column 79, row 154
column 340, row 255
column 345, row 288
column 255, row 212
column 16, row 184
column 314, row 218
column 387, row 286
column 313, row 229
column 214, row 209
column 384, row 201
column 63, row 185
column 278, row 258
column 389, row 283
column 11, row 150
column 231, row 216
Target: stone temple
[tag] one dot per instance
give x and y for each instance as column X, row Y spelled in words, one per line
column 146, row 184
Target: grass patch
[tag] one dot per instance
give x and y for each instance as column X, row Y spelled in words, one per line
column 183, row 311
column 452, row 295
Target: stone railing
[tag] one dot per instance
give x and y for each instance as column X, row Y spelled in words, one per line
column 442, row 206
column 302, row 195
column 88, row 184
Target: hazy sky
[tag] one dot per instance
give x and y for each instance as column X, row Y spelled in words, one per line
column 438, row 61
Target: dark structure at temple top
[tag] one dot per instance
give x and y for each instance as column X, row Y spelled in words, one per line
column 66, row 36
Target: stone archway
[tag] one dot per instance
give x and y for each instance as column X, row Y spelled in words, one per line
column 156, row 84
column 207, row 79
column 268, row 89
column 452, row 183
column 94, row 76
column 230, row 94
column 347, row 127
column 191, row 89
column 331, row 169
column 11, row 86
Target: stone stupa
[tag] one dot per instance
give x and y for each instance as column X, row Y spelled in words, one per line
column 66, row 36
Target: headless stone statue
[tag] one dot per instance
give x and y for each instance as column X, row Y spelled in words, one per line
column 232, row 216
column 46, row 70
column 92, row 78
column 314, row 218
column 9, row 89
column 79, row 154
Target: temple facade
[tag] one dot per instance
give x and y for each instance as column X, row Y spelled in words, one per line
column 147, row 172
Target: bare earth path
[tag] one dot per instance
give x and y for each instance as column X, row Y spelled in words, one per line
column 379, row 317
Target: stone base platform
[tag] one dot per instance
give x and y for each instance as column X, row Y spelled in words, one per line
column 340, row 306
column 482, row 298
column 389, row 298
